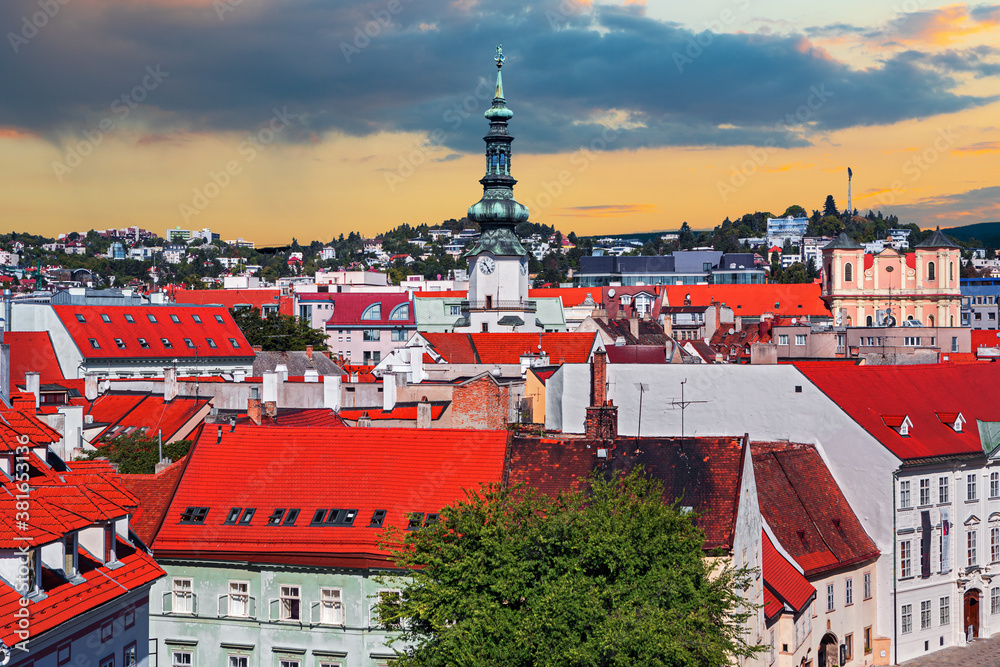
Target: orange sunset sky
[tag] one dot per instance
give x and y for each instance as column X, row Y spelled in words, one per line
column 309, row 118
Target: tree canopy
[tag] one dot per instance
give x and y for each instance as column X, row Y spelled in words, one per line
column 611, row 576
column 277, row 332
column 137, row 453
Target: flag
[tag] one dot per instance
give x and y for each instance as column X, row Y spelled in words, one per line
column 850, row 174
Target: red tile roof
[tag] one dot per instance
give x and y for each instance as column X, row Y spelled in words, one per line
column 154, row 493
column 175, row 332
column 348, row 307
column 550, row 465
column 407, row 411
column 397, row 470
column 754, row 300
column 806, row 510
column 231, row 298
column 868, row 393
column 570, row 296
column 295, row 418
column 984, row 338
column 782, row 581
column 507, row 348
column 637, row 354
column 32, row 351
column 150, row 412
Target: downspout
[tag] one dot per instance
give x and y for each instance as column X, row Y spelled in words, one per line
column 895, row 634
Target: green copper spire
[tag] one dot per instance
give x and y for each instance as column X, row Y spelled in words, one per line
column 498, row 212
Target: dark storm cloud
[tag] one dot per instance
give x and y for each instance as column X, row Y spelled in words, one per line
column 431, row 70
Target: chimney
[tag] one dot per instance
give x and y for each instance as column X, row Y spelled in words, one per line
column 239, row 375
column 309, row 352
column 271, row 409
column 33, row 385
column 331, row 392
column 257, row 348
column 388, row 392
column 170, row 386
column 602, row 422
column 269, row 391
column 312, row 375
column 424, row 413
column 599, row 378
column 282, row 371
column 364, row 421
column 162, row 465
column 633, row 325
column 417, row 374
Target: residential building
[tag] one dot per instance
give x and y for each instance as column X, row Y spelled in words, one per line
column 691, row 267
column 363, row 327
column 789, row 227
column 980, row 303
column 261, row 571
column 178, row 234
column 880, row 290
column 811, row 250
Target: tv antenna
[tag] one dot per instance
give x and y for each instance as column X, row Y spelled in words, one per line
column 683, row 405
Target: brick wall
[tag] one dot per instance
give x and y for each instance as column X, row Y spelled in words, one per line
column 602, row 422
column 480, row 404
column 599, row 378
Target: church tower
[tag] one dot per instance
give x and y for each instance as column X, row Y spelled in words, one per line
column 498, row 263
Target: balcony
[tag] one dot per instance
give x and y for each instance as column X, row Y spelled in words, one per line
column 498, row 305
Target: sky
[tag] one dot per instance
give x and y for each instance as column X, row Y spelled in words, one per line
column 274, row 119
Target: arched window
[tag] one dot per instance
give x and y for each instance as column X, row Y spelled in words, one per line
column 400, row 312
column 373, row 312
column 494, row 163
column 930, row 320
column 868, row 321
column 951, row 270
column 930, row 271
column 848, row 273
column 503, row 163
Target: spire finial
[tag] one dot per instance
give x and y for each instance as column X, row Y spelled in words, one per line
column 499, row 56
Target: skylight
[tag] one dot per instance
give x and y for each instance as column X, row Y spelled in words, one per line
column 431, row 519
column 175, row 319
column 189, row 343
column 211, row 343
column 415, row 520
column 152, row 317
column 232, row 341
column 80, row 318
column 194, row 515
column 247, row 516
column 290, row 518
column 94, row 344
column 196, row 318
column 120, row 343
column 275, row 517
column 377, row 518
column 143, row 343
column 233, row 516
column 106, row 318
column 129, row 318
column 218, row 318
column 166, row 343
column 318, row 517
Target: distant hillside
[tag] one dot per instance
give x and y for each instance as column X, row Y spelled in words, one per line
column 988, row 233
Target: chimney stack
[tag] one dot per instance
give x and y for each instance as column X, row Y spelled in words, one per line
column 424, row 413
column 633, row 325
column 170, row 386
column 599, row 378
column 388, row 392
column 33, row 385
column 90, row 386
column 309, row 352
column 331, row 392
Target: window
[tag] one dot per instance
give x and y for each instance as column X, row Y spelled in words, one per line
column 848, row 273
column 105, row 318
column 107, row 662
column 120, row 343
column 970, row 483
column 911, row 341
column 152, row 317
column 400, row 312
column 232, row 341
column 906, row 613
column 454, row 310
column 63, row 653
column 995, row 600
column 94, row 344
column 181, row 659
column 930, row 270
column 849, row 591
column 944, row 609
column 275, row 518
column 175, row 319
column 800, row 339
column 942, row 489
column 239, row 598
column 107, row 632
column 386, row 598
column 849, row 645
column 867, row 586
column 80, row 318
column 372, row 312
column 211, row 343
column 399, row 335
column 289, row 663
column 196, row 318
column 994, row 484
column 130, row 656
column 994, row 545
column 371, row 335
column 829, row 597
column 233, row 516
column 194, row 515
column 239, row 661
column 143, row 343
column 925, row 492
column 868, row 639
column 904, row 494
column 129, row 318
column 247, row 516
column 925, row 614
column 970, row 543
column 782, row 339
column 290, row 604
column 183, row 596
column 331, row 611
column 290, row 518
column 189, row 343
column 218, row 318
column 904, row 560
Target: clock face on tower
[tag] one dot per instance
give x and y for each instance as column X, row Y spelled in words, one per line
column 487, row 265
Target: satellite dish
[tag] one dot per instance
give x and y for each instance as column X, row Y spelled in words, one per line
column 731, row 331
column 998, row 334
column 794, row 321
column 611, row 292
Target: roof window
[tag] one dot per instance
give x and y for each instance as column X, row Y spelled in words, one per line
column 275, row 517
column 431, row 519
column 211, row 343
column 129, row 318
column 415, row 519
column 189, row 343
column 80, row 318
column 143, row 343
column 175, row 319
column 247, row 516
column 233, row 516
column 232, row 341
column 318, row 517
column 94, row 344
column 120, row 343
column 166, row 343
column 218, row 318
column 338, row 517
column 290, row 518
column 194, row 515
column 106, row 318
column 152, row 317
column 377, row 518
column 196, row 318
column 952, row 419
column 899, row 423
column 373, row 312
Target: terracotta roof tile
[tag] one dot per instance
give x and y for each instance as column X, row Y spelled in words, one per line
column 32, row 351
column 782, row 581
column 507, row 348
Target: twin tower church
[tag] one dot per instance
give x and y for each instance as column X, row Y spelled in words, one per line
column 498, row 263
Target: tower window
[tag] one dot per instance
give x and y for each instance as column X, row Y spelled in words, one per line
column 848, row 272
column 930, row 271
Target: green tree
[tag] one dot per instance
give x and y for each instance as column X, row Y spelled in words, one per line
column 686, row 238
column 830, row 206
column 277, row 332
column 137, row 453
column 612, row 576
column 795, row 211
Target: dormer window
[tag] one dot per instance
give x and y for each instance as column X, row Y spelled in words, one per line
column 899, row 423
column 954, row 420
column 70, row 552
